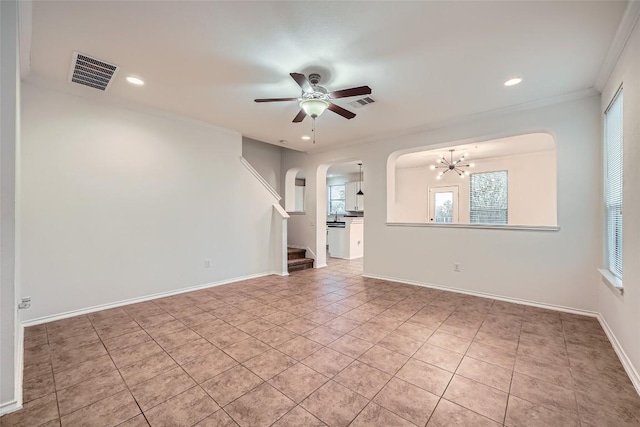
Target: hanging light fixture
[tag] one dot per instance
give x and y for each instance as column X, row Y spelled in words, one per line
column 314, row 106
column 451, row 165
column 360, row 193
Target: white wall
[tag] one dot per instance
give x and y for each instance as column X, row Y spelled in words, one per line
column 553, row 267
column 622, row 312
column 119, row 204
column 266, row 159
column 10, row 383
column 531, row 182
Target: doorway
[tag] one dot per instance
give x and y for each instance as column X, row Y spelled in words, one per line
column 443, row 204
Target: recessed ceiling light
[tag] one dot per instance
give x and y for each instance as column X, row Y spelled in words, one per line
column 135, row 80
column 283, row 141
column 512, row 82
column 305, row 137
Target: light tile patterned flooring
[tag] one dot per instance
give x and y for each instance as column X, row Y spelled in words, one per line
column 323, row 347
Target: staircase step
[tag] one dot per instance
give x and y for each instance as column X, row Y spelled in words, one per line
column 299, row 264
column 296, row 253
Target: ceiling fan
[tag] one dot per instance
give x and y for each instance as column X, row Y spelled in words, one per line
column 315, row 99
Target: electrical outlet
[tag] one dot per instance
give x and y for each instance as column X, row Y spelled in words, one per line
column 26, row 303
column 456, row 267
column 207, row 263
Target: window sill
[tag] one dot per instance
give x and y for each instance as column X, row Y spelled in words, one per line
column 477, row 226
column 612, row 281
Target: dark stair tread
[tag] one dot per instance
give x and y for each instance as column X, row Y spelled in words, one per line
column 300, row 261
column 296, row 253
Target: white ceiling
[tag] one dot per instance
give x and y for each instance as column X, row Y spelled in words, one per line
column 427, row 62
column 515, row 145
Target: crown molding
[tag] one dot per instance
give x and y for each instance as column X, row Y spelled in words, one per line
column 117, row 102
column 627, row 24
column 498, row 112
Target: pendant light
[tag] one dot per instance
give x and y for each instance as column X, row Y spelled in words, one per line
column 360, row 193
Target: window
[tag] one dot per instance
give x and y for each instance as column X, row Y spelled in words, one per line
column 336, row 199
column 443, row 204
column 613, row 152
column 489, row 198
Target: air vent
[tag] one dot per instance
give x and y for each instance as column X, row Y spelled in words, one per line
column 92, row 72
column 359, row 103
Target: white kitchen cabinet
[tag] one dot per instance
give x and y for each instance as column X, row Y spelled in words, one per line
column 353, row 202
column 347, row 242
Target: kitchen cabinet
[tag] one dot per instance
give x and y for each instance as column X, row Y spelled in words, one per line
column 346, row 242
column 353, row 202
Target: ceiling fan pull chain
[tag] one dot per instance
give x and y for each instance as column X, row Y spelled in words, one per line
column 313, row 129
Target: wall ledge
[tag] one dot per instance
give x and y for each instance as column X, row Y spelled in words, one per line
column 476, row 226
column 611, row 281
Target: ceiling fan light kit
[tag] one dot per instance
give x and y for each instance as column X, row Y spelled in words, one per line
column 314, row 107
column 315, row 99
column 452, row 165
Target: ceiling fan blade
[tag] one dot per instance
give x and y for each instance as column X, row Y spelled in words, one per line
column 341, row 111
column 302, row 81
column 354, row 91
column 275, row 99
column 300, row 117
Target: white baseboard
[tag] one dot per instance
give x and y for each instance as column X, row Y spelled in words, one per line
column 624, row 359
column 60, row 316
column 10, row 406
column 630, row 369
column 487, row 295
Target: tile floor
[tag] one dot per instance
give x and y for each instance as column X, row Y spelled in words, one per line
column 323, row 347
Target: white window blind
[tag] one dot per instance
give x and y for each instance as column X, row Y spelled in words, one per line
column 613, row 150
column 489, row 194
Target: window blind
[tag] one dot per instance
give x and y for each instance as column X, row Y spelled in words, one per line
column 489, row 198
column 613, row 183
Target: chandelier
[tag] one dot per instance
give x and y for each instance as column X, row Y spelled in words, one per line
column 451, row 165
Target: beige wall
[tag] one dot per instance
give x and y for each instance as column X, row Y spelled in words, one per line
column 531, row 180
column 622, row 312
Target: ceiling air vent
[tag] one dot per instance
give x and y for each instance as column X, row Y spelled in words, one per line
column 359, row 103
column 92, row 72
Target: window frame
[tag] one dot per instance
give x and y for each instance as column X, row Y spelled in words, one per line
column 506, row 172
column 615, row 253
column 330, row 199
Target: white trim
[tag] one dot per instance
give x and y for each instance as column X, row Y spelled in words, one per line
column 25, row 28
column 99, row 96
column 8, row 407
column 456, row 121
column 624, row 359
column 65, row 315
column 281, row 211
column 19, row 362
column 480, row 226
column 612, row 281
column 255, row 173
column 554, row 307
column 625, row 28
